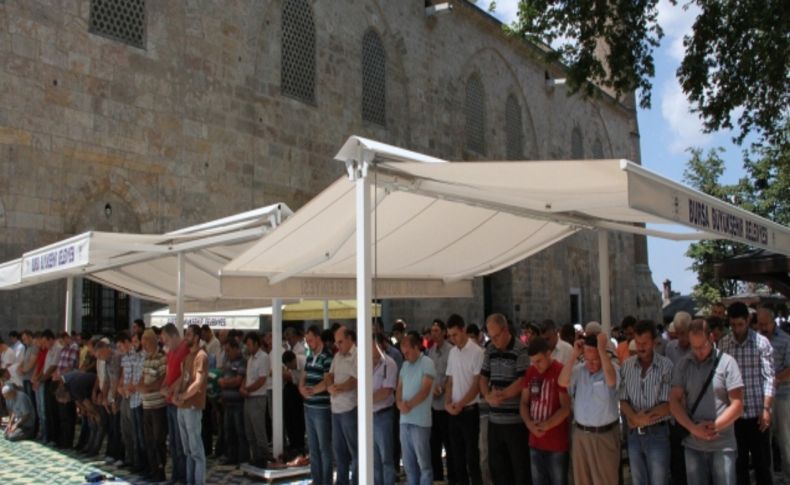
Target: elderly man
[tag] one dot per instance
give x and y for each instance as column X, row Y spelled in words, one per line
column 644, row 401
column 780, row 341
column 21, row 414
column 342, row 382
column 754, row 355
column 595, row 449
column 676, row 350
column 504, row 364
column 706, row 399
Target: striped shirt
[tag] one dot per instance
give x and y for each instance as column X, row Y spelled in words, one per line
column 316, row 367
column 648, row 391
column 756, row 363
column 132, row 364
column 502, row 368
column 780, row 342
column 154, row 369
column 68, row 358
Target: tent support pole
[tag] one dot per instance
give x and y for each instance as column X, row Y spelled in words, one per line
column 603, row 275
column 69, row 320
column 180, row 287
column 326, row 314
column 364, row 329
column 277, row 378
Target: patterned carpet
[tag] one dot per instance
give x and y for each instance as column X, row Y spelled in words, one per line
column 29, row 463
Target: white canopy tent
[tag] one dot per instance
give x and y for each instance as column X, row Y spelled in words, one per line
column 426, row 228
column 153, row 267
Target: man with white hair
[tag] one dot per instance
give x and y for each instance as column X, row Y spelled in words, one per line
column 679, row 347
column 21, row 418
column 676, row 350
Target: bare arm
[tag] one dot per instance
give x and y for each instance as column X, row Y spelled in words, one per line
column 733, row 411
column 422, row 394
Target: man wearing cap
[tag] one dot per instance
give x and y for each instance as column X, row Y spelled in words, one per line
column 644, row 401
column 595, row 448
column 21, row 420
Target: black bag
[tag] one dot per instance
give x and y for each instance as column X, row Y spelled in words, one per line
column 682, row 432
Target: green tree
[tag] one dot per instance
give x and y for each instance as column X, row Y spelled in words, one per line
column 737, row 58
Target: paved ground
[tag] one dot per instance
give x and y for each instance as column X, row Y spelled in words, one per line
column 31, row 463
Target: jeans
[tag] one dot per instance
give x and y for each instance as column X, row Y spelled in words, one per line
column 710, row 467
column 508, row 453
column 415, row 444
column 237, row 449
column 383, row 463
column 464, row 438
column 319, row 442
column 752, row 441
column 41, row 410
column 677, row 454
column 649, row 455
column 190, row 427
column 344, row 444
column 176, row 449
column 781, row 426
column 28, row 388
column 155, row 429
column 549, row 467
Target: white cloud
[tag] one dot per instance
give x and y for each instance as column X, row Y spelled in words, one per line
column 677, row 22
column 506, row 10
column 683, row 126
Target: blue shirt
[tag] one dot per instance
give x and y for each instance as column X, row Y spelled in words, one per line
column 411, row 376
column 21, row 407
column 594, row 403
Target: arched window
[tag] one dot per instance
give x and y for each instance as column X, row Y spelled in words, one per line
column 474, row 111
column 374, row 79
column 298, row 51
column 597, row 149
column 577, row 144
column 514, row 129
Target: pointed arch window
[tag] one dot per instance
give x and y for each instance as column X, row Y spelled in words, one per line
column 474, row 111
column 514, row 129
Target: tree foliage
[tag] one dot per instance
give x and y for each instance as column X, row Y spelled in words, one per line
column 737, row 58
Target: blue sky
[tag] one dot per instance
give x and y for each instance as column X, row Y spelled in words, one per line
column 667, row 129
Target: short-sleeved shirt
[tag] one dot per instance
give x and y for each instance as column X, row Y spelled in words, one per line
column 385, row 376
column 258, row 366
column 344, row 367
column 594, row 402
column 21, row 406
column 439, row 356
column 31, row 352
column 194, row 363
column 647, row 392
column 79, row 384
column 544, row 401
column 690, row 374
column 175, row 358
column 562, row 351
column 68, row 358
column 233, row 368
column 154, row 369
column 132, row 364
column 780, row 341
column 675, row 352
column 502, row 368
column 411, row 376
column 316, row 367
column 463, row 365
column 53, row 355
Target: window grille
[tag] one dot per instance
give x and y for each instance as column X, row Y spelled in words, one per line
column 374, row 79
column 298, row 51
column 577, row 144
column 474, row 111
column 514, row 129
column 597, row 149
column 121, row 20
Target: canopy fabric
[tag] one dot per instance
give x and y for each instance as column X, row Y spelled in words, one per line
column 314, row 310
column 147, row 265
column 447, row 222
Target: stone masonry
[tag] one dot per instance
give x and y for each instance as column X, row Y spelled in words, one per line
column 194, row 127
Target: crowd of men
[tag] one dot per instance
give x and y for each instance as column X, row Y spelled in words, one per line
column 698, row 403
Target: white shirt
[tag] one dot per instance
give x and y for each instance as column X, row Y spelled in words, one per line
column 8, row 358
column 463, row 365
column 562, row 351
column 301, row 354
column 214, row 348
column 53, row 356
column 258, row 366
column 19, row 350
column 344, row 367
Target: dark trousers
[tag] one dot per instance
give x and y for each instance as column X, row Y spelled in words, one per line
column 752, row 441
column 155, row 431
column 138, row 425
column 82, row 441
column 114, row 440
column 97, row 432
column 67, row 421
column 464, row 436
column 237, row 450
column 293, row 411
column 508, row 454
column 677, row 457
column 28, row 388
column 207, row 428
column 53, row 425
column 440, row 438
